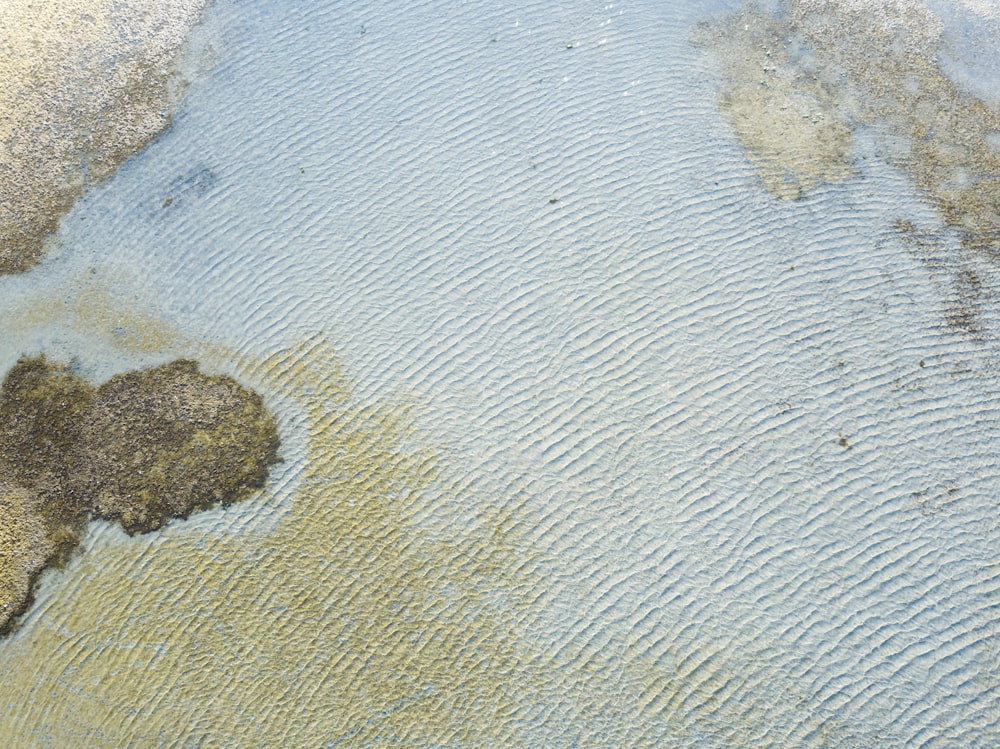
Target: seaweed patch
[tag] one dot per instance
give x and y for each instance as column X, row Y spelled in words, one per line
column 144, row 447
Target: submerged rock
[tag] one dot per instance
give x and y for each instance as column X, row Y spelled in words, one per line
column 802, row 76
column 84, row 84
column 144, row 447
column 163, row 442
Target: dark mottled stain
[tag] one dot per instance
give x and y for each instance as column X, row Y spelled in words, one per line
column 954, row 272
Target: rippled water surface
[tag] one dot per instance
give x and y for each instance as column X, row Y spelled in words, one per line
column 592, row 436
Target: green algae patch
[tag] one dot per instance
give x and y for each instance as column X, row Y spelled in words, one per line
column 84, row 84
column 142, row 448
column 798, row 82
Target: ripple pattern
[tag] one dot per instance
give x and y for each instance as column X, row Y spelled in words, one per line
column 744, row 473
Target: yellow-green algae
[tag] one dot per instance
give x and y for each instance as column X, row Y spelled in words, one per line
column 83, row 85
column 100, row 314
column 798, row 81
column 357, row 612
column 140, row 449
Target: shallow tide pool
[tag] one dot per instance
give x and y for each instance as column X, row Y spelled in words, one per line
column 608, row 418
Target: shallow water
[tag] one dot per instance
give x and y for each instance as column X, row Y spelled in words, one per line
column 589, row 440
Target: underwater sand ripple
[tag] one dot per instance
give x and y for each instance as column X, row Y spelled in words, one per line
column 640, row 490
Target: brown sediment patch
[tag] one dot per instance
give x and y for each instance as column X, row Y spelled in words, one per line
column 142, row 448
column 84, row 84
column 162, row 442
column 891, row 51
column 873, row 64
